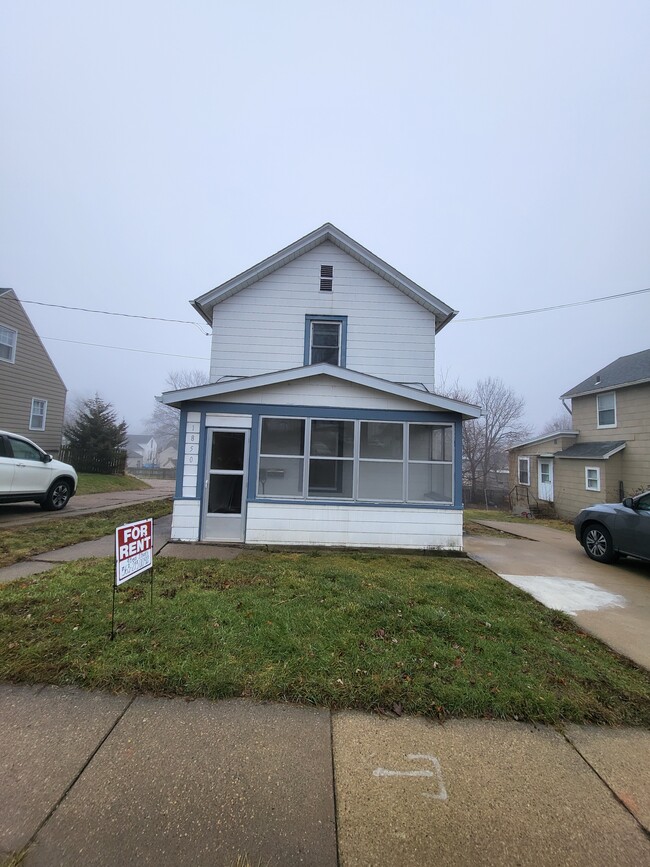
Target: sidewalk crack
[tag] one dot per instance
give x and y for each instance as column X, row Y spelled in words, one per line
column 606, row 784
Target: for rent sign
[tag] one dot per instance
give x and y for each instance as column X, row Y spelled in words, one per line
column 133, row 549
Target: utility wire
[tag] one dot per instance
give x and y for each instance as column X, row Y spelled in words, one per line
column 125, row 348
column 555, row 307
column 111, row 313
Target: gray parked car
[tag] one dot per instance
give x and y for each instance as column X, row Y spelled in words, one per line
column 611, row 529
column 29, row 473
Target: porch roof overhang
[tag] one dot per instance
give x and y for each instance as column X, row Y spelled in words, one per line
column 342, row 374
column 599, row 451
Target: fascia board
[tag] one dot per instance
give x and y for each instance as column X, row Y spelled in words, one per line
column 173, row 398
column 551, row 436
column 328, row 232
column 604, row 388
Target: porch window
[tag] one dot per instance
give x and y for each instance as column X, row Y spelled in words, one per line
column 325, row 340
column 523, row 474
column 592, row 478
column 281, row 465
column 606, row 405
column 8, row 338
column 38, row 414
column 371, row 461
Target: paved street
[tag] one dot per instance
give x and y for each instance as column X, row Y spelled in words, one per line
column 611, row 602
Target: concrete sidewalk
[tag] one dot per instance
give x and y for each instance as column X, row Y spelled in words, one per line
column 611, row 602
column 96, row 779
column 22, row 514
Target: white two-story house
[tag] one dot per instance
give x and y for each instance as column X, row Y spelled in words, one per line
column 320, row 425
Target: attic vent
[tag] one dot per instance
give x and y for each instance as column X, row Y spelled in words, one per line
column 326, row 275
column 597, row 380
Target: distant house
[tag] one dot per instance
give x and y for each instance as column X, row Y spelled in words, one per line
column 606, row 454
column 321, row 425
column 141, row 452
column 32, row 394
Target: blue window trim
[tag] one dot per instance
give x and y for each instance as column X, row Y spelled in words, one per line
column 313, row 317
column 257, row 410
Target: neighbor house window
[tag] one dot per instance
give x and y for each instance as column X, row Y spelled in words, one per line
column 606, row 404
column 376, row 461
column 8, row 339
column 326, row 278
column 592, row 478
column 325, row 339
column 524, row 471
column 38, row 414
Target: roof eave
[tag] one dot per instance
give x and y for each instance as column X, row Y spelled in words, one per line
column 327, row 232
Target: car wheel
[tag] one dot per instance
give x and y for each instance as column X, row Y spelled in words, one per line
column 57, row 497
column 597, row 542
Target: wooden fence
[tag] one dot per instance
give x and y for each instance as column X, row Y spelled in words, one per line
column 113, row 464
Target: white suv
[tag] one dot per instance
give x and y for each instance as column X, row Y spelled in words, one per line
column 29, row 473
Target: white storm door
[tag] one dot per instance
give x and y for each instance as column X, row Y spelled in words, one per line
column 224, row 494
column 545, row 480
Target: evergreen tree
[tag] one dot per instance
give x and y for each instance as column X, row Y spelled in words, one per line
column 93, row 431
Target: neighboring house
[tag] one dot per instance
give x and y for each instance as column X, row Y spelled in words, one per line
column 606, row 455
column 320, row 424
column 32, row 394
column 141, row 451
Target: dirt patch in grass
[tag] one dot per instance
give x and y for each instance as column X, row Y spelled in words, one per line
column 404, row 633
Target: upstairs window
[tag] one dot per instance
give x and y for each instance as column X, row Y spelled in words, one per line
column 325, row 338
column 606, row 408
column 38, row 414
column 8, row 339
column 326, row 278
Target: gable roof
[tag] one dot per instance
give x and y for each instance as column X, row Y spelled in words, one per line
column 556, row 434
column 327, row 232
column 216, row 389
column 626, row 370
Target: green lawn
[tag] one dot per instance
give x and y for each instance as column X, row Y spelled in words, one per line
column 20, row 543
column 95, row 483
column 403, row 632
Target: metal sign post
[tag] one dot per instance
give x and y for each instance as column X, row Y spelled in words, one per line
column 133, row 555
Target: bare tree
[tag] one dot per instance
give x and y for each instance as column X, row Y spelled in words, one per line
column 163, row 421
column 487, row 439
column 561, row 421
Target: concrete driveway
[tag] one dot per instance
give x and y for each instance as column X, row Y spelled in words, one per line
column 611, row 602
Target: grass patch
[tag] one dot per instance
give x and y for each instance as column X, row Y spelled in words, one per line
column 406, row 633
column 95, row 483
column 20, row 543
column 471, row 515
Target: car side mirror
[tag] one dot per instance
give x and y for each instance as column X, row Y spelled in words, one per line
column 628, row 502
column 46, row 459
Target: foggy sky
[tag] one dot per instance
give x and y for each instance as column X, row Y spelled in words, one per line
column 497, row 153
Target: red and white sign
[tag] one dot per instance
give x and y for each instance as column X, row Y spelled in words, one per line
column 133, row 549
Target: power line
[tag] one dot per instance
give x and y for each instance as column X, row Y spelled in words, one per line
column 555, row 307
column 112, row 313
column 125, row 348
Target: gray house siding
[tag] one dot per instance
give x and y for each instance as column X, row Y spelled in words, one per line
column 31, row 375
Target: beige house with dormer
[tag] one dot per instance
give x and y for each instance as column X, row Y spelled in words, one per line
column 606, row 454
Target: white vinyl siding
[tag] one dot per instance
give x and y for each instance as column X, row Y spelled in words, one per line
column 261, row 328
column 606, row 409
column 38, row 414
column 592, row 478
column 185, row 520
column 370, row 527
column 8, row 339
